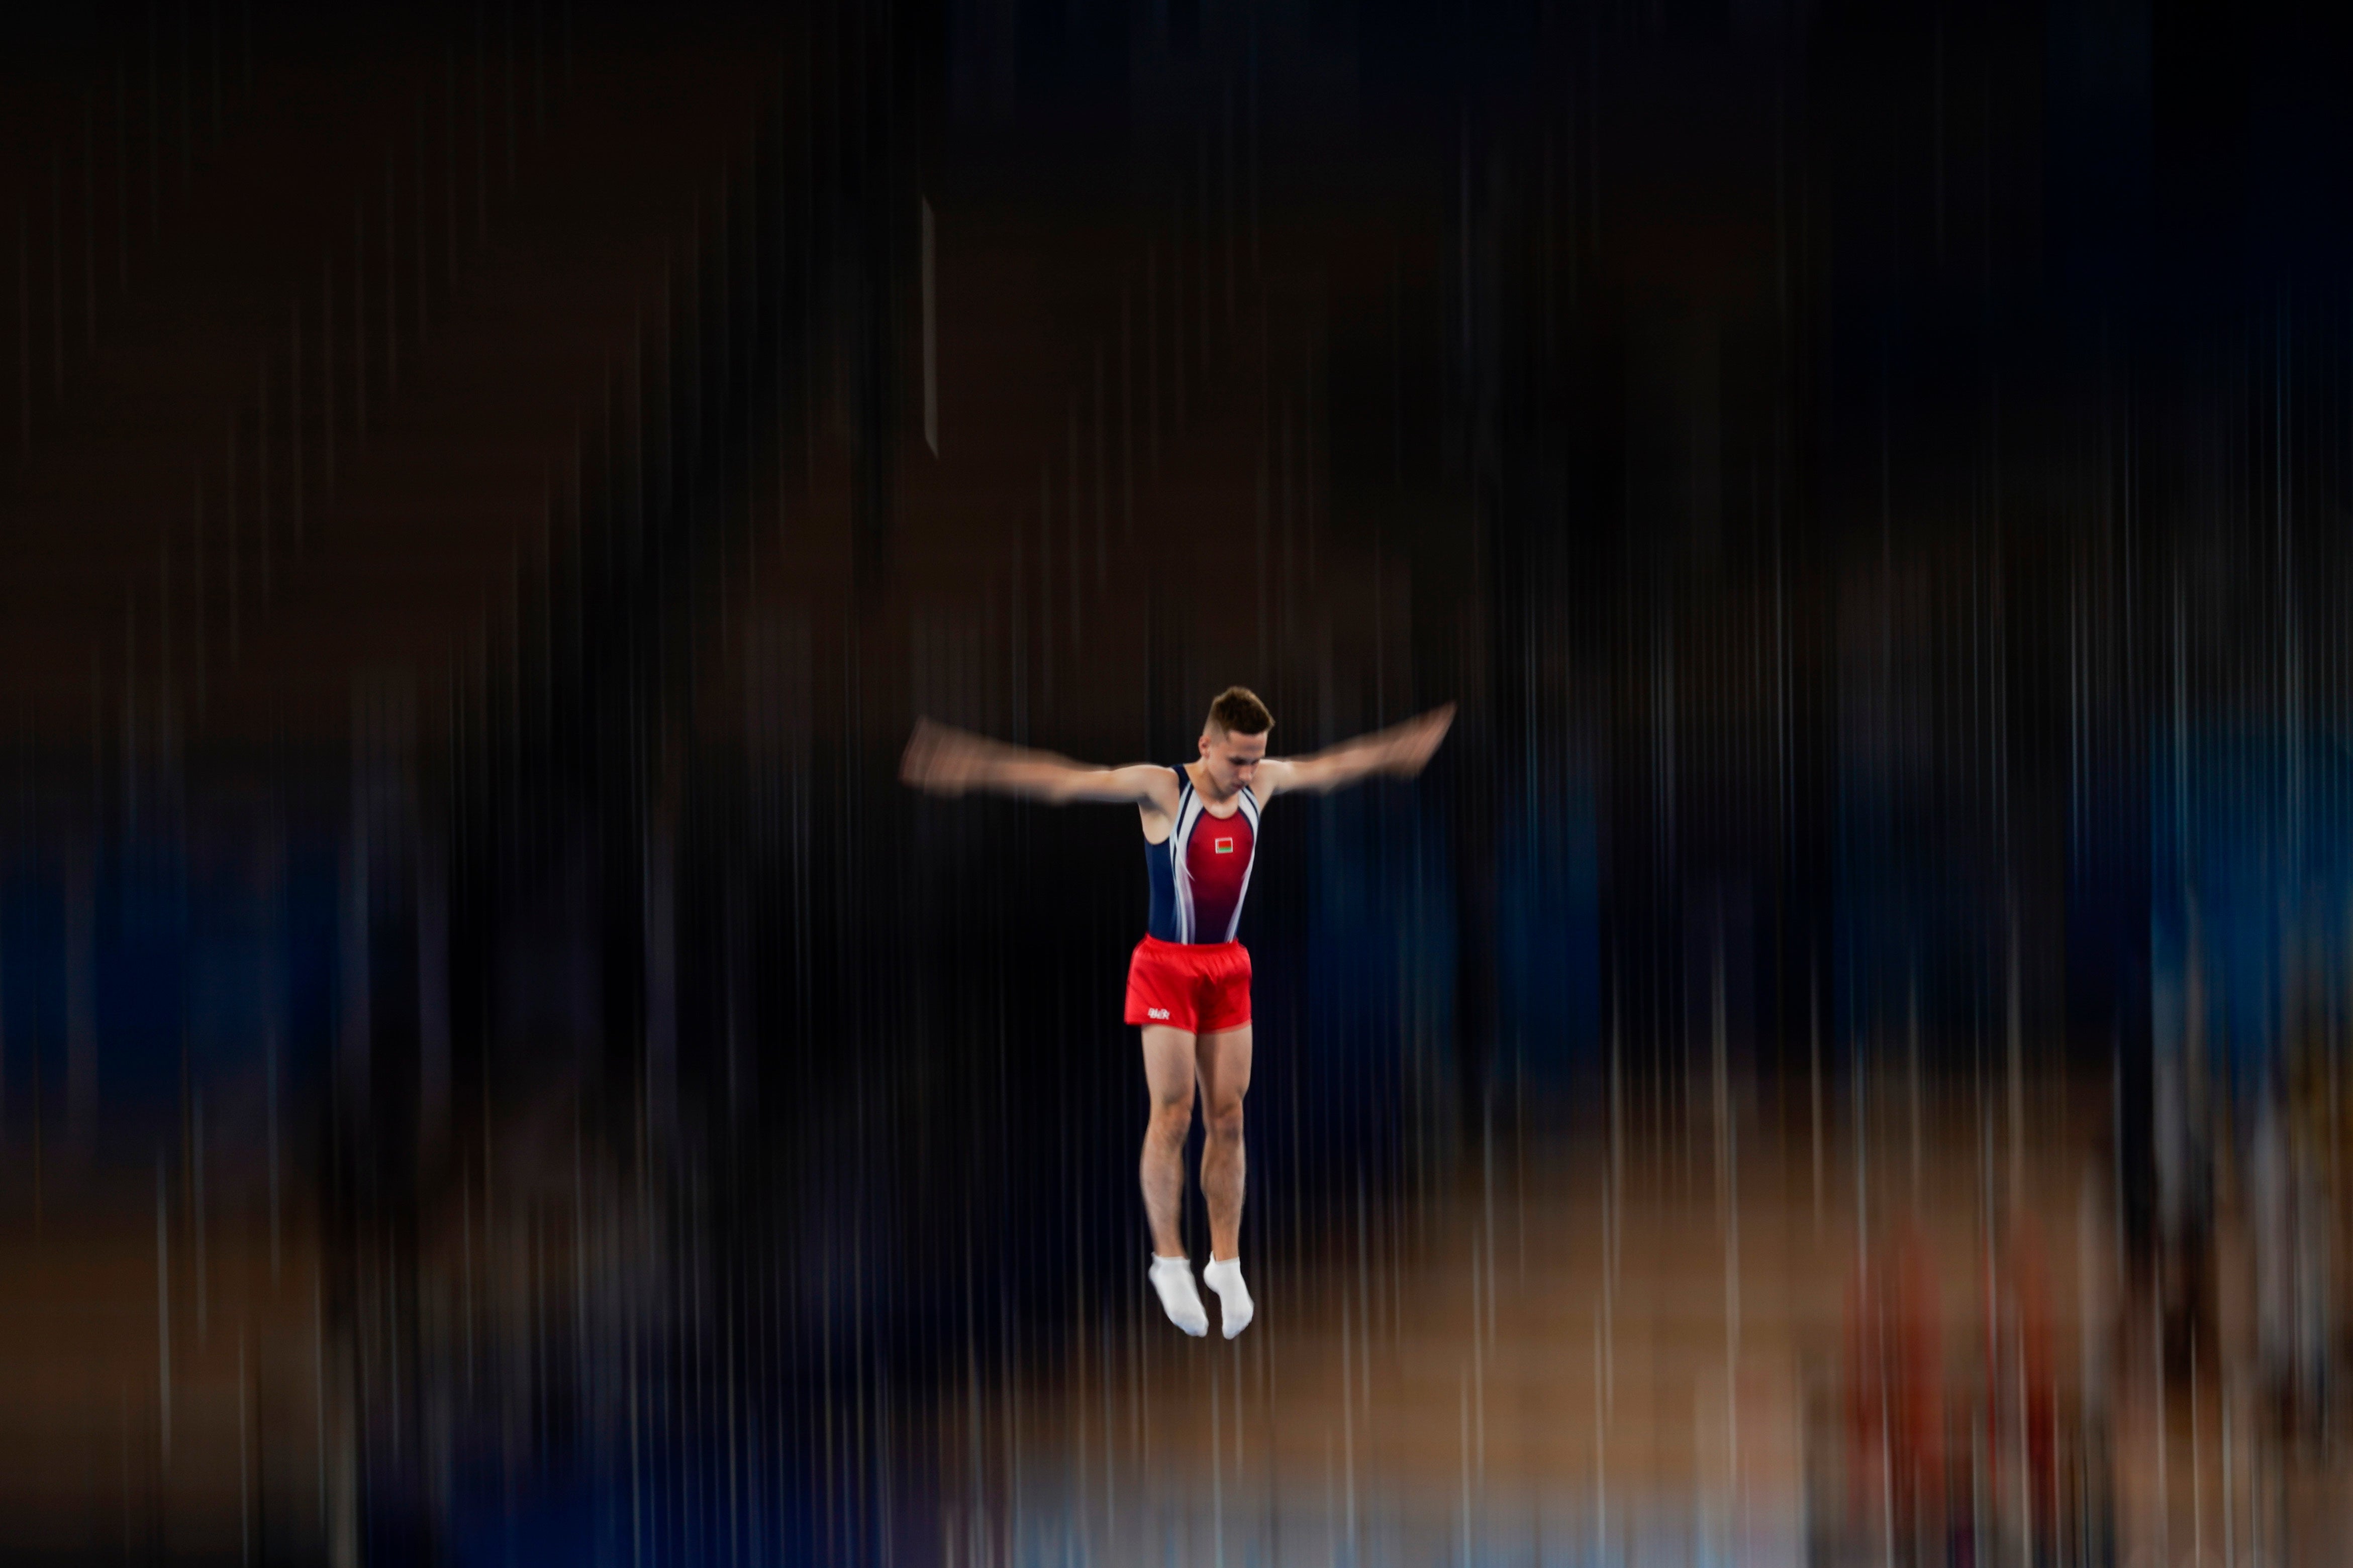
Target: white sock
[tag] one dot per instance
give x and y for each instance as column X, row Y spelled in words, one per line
column 1173, row 1278
column 1224, row 1275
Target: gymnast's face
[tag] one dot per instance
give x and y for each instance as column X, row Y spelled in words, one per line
column 1230, row 760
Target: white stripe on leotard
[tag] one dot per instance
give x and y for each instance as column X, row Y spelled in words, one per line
column 1242, row 895
column 1189, row 812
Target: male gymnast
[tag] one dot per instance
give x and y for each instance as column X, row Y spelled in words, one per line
column 1188, row 979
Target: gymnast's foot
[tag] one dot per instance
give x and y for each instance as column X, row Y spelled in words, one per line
column 1173, row 1278
column 1224, row 1275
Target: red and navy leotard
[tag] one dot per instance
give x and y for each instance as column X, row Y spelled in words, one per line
column 1199, row 875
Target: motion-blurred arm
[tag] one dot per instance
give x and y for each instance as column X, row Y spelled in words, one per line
column 1399, row 751
column 942, row 759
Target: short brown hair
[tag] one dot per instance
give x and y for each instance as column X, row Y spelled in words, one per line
column 1238, row 711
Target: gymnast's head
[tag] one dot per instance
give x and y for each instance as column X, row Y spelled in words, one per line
column 1233, row 739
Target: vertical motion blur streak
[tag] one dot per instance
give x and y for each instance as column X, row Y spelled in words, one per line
column 1840, row 1057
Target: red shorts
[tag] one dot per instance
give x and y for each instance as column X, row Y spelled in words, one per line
column 1199, row 987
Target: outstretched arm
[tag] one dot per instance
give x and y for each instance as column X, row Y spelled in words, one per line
column 942, row 759
column 1400, row 750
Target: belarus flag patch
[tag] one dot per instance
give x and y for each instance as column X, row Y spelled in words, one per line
column 1225, row 845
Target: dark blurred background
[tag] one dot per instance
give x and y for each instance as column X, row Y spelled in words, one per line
column 494, row 1068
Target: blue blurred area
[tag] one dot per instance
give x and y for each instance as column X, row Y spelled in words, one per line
column 1548, row 926
column 2251, row 854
